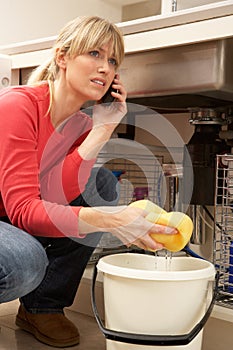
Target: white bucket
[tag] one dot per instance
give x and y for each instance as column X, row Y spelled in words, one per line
column 145, row 294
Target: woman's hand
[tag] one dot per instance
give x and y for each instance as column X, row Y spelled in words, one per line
column 119, row 92
column 106, row 117
column 109, row 115
column 125, row 222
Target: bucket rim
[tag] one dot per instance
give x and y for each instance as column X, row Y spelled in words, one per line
column 105, row 265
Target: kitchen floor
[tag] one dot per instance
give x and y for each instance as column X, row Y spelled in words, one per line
column 13, row 338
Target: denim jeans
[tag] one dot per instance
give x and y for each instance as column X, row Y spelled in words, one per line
column 45, row 272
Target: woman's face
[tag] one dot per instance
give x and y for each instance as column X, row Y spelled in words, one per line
column 88, row 76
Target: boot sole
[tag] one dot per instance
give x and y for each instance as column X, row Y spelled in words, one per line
column 26, row 326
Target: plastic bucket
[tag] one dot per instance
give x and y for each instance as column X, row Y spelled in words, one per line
column 154, row 302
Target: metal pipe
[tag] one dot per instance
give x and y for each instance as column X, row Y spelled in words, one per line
column 198, row 236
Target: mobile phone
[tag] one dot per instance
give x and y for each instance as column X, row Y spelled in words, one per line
column 108, row 98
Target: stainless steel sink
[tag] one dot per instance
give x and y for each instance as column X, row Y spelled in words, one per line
column 190, row 75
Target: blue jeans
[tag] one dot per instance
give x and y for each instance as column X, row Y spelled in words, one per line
column 45, row 272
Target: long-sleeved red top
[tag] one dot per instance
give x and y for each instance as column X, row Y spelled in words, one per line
column 41, row 170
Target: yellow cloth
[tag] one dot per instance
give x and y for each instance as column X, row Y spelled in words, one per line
column 181, row 221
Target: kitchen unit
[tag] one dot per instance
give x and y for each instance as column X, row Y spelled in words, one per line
column 181, row 65
column 5, row 76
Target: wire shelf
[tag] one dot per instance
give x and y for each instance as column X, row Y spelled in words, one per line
column 223, row 237
column 140, row 176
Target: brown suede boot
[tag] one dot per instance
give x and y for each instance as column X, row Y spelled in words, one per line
column 51, row 329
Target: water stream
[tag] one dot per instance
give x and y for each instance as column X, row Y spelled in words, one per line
column 165, row 263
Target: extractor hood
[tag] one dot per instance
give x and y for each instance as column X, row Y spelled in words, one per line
column 195, row 75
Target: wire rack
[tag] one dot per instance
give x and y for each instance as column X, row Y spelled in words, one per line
column 140, row 176
column 223, row 237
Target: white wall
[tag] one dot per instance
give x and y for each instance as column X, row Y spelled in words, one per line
column 22, row 20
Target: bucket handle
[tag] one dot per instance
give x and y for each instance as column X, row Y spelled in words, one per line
column 147, row 339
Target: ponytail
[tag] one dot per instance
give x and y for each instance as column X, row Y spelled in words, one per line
column 44, row 72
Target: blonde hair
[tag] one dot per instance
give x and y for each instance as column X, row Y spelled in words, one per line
column 78, row 37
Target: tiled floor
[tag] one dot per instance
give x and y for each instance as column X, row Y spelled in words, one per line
column 217, row 333
column 12, row 338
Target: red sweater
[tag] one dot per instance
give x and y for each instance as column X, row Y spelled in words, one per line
column 41, row 170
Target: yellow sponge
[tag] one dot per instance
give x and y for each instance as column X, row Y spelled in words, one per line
column 181, row 221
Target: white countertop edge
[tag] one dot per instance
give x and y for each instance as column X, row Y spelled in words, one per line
column 28, row 46
column 191, row 33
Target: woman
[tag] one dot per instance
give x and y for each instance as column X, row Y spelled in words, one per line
column 54, row 206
